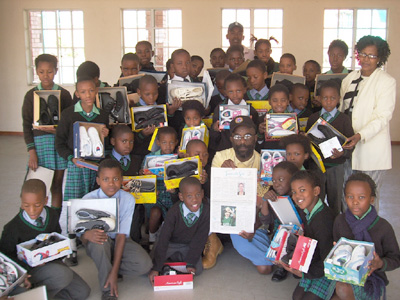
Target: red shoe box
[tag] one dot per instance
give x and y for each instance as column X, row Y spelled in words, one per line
column 303, row 254
column 174, row 282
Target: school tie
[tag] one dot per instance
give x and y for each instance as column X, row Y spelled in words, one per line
column 258, row 96
column 191, row 217
column 122, row 161
column 39, row 222
column 185, row 80
column 326, row 116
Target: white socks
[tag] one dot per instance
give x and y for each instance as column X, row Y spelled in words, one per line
column 90, row 142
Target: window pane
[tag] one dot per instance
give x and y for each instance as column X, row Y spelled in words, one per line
column 65, row 38
column 175, row 18
column 362, row 32
column 261, row 33
column 79, row 56
column 276, row 18
column 228, row 16
column 64, row 19
column 127, row 50
column 52, row 51
column 346, row 35
column 35, row 18
column 225, row 42
column 77, row 19
column 243, row 17
column 276, row 33
column 379, row 32
column 130, row 37
column 345, row 18
column 161, row 37
column 329, row 36
column 78, row 38
column 130, row 20
column 364, row 18
column 141, row 19
column 379, row 18
column 260, row 18
column 160, row 19
column 49, row 19
column 36, row 38
column 276, row 53
column 66, row 58
column 331, row 18
column 49, row 38
column 67, row 75
column 246, row 41
column 175, row 37
column 143, row 35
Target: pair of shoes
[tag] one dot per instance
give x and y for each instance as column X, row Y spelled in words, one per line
column 227, row 115
column 153, row 116
column 140, row 186
column 116, row 112
column 290, row 247
column 328, row 133
column 71, row 260
column 49, row 114
column 357, row 258
column 157, row 162
column 270, row 161
column 182, row 170
column 189, row 135
column 90, row 142
column 106, row 224
column 107, row 296
column 8, row 274
column 47, row 242
column 188, row 93
column 91, row 214
column 212, row 249
column 342, row 255
column 279, row 275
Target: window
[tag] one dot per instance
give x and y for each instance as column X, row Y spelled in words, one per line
column 263, row 23
column 162, row 28
column 57, row 32
column 350, row 25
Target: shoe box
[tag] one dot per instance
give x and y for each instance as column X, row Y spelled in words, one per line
column 92, row 165
column 181, row 166
column 114, row 100
column 277, row 247
column 208, row 121
column 321, row 78
column 12, row 275
column 154, row 164
column 269, row 159
column 130, row 82
column 146, row 115
column 194, row 133
column 176, row 278
column 326, row 137
column 93, row 213
column 285, row 210
column 158, row 75
column 280, row 125
column 44, row 254
column 261, row 106
column 228, row 112
column 286, row 79
column 346, row 274
column 90, row 143
column 39, row 111
column 185, row 91
column 143, row 188
column 38, row 293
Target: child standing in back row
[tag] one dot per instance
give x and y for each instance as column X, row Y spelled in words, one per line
column 144, row 50
column 257, row 74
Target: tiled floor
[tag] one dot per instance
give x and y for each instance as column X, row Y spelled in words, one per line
column 232, row 278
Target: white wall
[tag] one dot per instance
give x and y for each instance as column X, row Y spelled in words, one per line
column 302, row 36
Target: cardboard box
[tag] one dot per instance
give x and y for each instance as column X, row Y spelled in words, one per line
column 261, row 106
column 345, row 274
column 187, row 91
column 303, row 254
column 13, row 279
column 37, row 122
column 137, row 116
column 321, row 78
column 38, row 293
column 303, row 124
column 208, row 121
column 109, row 206
column 44, row 174
column 155, row 163
column 286, row 79
column 77, row 140
column 285, row 210
column 269, row 159
column 278, row 242
column 174, row 182
column 130, row 82
column 123, row 115
column 228, row 112
column 45, row 254
column 194, row 133
column 174, row 281
column 158, row 75
column 208, row 81
column 140, row 197
column 92, row 165
column 280, row 125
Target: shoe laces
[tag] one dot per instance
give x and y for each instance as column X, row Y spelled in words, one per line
column 207, row 247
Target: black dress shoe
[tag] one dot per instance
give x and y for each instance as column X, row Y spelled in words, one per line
column 45, row 118
column 182, row 170
column 328, row 133
column 52, row 103
column 279, row 275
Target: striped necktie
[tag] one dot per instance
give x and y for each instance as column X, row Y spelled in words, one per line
column 39, row 222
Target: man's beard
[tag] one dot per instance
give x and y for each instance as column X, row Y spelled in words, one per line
column 244, row 152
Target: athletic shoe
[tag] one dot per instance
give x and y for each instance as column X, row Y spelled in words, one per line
column 85, row 142
column 97, row 145
column 106, row 224
column 91, row 214
column 357, row 258
column 342, row 255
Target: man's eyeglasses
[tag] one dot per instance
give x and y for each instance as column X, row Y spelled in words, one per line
column 238, row 137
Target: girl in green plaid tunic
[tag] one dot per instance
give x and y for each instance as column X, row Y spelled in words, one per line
column 40, row 142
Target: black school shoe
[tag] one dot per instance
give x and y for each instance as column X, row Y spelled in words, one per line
column 52, row 102
column 328, row 133
column 116, row 112
column 139, row 186
column 153, row 116
column 107, row 102
column 45, row 118
column 279, row 275
column 71, row 260
column 182, row 170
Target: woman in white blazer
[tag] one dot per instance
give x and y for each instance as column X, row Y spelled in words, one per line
column 368, row 97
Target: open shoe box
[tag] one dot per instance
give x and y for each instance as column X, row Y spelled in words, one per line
column 321, row 78
column 45, row 254
column 38, row 293
column 269, row 159
column 130, row 82
column 278, row 242
column 20, row 278
column 286, row 79
column 174, row 183
column 92, row 165
column 228, row 112
column 280, row 125
column 193, row 91
column 124, row 116
column 146, row 108
column 194, row 133
column 157, row 163
column 158, row 75
column 77, row 140
column 261, row 106
column 107, row 205
column 174, row 281
column 348, row 275
column 36, row 107
column 285, row 210
column 145, row 197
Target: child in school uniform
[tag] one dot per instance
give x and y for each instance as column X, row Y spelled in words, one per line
column 220, row 96
column 185, row 230
column 33, row 219
column 361, row 222
column 197, row 64
column 114, row 253
column 317, row 220
column 257, row 74
column 299, row 104
column 334, row 176
column 311, row 69
column 235, row 88
column 79, row 180
column 337, row 53
column 298, row 149
column 262, row 51
column 144, row 50
column 40, row 143
column 130, row 64
column 281, row 175
column 234, row 57
column 287, row 64
column 193, row 112
column 217, row 58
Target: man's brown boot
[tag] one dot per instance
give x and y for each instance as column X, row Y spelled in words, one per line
column 212, row 249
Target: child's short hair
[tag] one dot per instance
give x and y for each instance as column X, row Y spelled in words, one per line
column 177, row 52
column 290, row 56
column 298, row 139
column 82, row 79
column 145, row 43
column 278, row 88
column 258, row 64
column 166, row 130
column 147, row 79
column 288, row 166
column 310, row 176
column 331, row 83
column 120, row 129
column 34, row 186
column 233, row 77
column 234, row 48
column 364, row 178
column 88, row 68
column 222, row 75
column 196, row 57
column 109, row 163
column 298, row 86
column 46, row 58
column 265, row 41
column 217, row 50
column 339, row 44
column 315, row 63
column 193, row 105
column 193, row 143
column 168, row 64
column 130, row 56
column 189, row 181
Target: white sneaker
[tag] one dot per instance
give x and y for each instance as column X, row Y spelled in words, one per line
column 85, row 142
column 342, row 255
column 97, row 145
column 188, row 93
column 357, row 258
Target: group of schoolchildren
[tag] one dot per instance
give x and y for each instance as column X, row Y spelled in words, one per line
column 178, row 223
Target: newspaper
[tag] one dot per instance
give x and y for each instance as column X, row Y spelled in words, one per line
column 233, row 200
